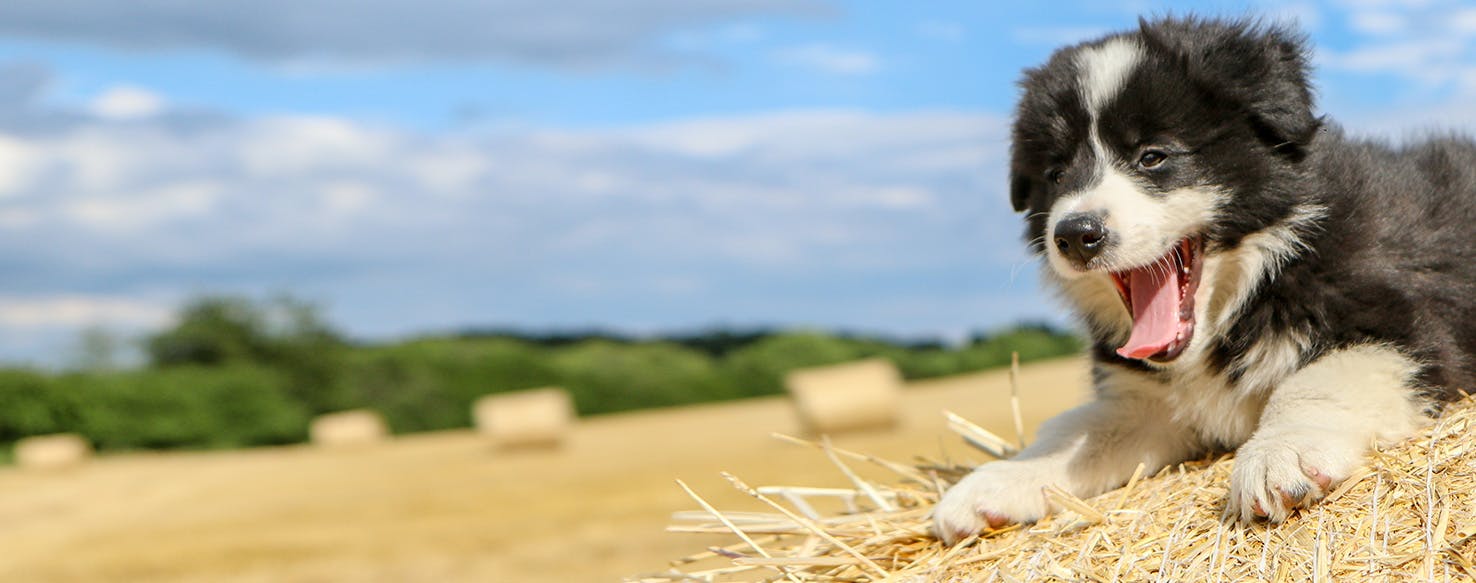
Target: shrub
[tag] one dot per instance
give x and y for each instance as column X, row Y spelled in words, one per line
column 185, row 407
column 32, row 404
column 431, row 384
column 604, row 376
column 758, row 369
column 283, row 334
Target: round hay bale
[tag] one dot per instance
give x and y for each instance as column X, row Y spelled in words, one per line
column 531, row 418
column 844, row 397
column 1408, row 515
column 356, row 427
column 47, row 452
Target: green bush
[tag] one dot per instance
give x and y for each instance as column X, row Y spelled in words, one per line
column 758, row 369
column 605, row 376
column 1032, row 342
column 185, row 407
column 931, row 362
column 283, row 334
column 431, row 384
column 32, row 404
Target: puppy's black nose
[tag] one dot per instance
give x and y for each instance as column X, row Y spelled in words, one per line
column 1080, row 237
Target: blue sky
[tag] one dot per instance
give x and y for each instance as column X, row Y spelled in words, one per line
column 645, row 165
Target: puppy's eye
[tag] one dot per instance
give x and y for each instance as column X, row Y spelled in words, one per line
column 1152, row 159
column 1055, row 175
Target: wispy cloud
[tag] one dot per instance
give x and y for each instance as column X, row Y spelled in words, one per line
column 830, row 59
column 1431, row 43
column 126, row 102
column 1378, row 22
column 566, row 33
column 75, row 311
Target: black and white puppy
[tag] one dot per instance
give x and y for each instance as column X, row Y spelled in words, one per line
column 1251, row 279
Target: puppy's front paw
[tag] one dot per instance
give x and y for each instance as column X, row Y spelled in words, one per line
column 1285, row 470
column 996, row 494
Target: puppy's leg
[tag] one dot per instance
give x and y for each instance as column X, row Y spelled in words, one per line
column 1317, row 426
column 1085, row 451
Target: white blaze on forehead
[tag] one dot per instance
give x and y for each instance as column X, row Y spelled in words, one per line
column 1104, row 69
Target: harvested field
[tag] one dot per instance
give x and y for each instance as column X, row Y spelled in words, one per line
column 449, row 506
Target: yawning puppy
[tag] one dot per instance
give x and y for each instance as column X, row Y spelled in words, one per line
column 1251, row 279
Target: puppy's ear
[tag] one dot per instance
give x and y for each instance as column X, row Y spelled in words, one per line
column 1020, row 185
column 1261, row 68
column 1282, row 103
column 1019, row 192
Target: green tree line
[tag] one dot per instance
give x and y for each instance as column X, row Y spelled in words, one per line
column 234, row 372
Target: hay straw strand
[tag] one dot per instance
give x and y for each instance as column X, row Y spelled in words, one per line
column 1066, row 500
column 733, row 527
column 808, row 524
column 1015, row 398
column 905, row 471
column 863, row 485
column 980, row 437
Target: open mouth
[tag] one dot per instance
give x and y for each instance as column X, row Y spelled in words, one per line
column 1160, row 297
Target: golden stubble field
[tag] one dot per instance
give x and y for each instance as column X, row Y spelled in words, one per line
column 446, row 507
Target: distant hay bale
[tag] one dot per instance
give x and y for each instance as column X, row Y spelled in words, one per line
column 1410, row 515
column 47, row 452
column 857, row 395
column 348, row 428
column 522, row 419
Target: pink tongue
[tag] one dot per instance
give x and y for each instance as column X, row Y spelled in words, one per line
column 1155, row 295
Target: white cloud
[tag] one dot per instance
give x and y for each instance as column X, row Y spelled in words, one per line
column 1404, row 58
column 399, row 230
column 570, row 33
column 126, row 103
column 342, row 200
column 293, row 145
column 18, row 219
column 18, row 165
column 451, row 170
column 1306, row 15
column 76, row 311
column 903, row 197
column 830, row 59
column 1463, row 21
column 1378, row 23
column 820, row 133
column 1432, row 43
column 1384, row 4
column 136, row 210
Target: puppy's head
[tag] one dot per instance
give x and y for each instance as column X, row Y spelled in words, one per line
column 1137, row 154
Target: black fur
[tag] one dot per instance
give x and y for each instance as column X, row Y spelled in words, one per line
column 1393, row 259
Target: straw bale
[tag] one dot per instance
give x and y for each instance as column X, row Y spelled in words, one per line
column 46, row 452
column 531, row 418
column 858, row 395
column 348, row 428
column 1408, row 515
